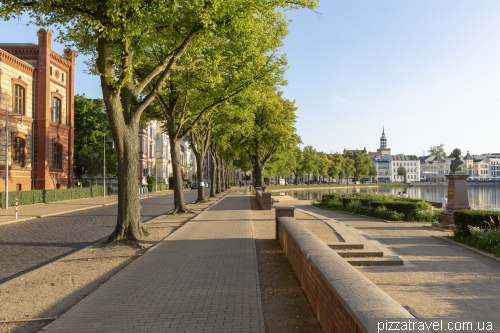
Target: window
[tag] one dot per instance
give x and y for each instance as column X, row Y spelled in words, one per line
column 57, row 157
column 56, row 110
column 19, row 152
column 19, row 93
column 19, row 187
column 62, row 77
column 50, row 70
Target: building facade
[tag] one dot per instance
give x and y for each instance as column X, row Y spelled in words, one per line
column 387, row 165
column 37, row 84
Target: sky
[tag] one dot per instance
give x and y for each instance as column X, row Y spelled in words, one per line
column 427, row 71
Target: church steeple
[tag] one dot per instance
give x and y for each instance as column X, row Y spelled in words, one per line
column 383, row 140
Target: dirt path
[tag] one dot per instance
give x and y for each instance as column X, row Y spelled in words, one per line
column 285, row 305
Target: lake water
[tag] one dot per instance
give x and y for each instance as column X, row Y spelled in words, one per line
column 480, row 197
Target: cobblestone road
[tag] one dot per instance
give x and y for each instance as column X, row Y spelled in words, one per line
column 31, row 244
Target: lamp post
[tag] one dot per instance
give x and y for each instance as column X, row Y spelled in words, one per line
column 6, row 155
column 104, row 164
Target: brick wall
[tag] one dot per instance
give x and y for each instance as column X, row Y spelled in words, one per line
column 343, row 299
column 264, row 199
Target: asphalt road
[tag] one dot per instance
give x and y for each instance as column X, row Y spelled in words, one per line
column 31, row 244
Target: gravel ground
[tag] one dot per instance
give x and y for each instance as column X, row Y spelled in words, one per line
column 285, row 305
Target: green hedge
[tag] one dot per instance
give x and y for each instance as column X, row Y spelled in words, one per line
column 477, row 218
column 410, row 208
column 44, row 196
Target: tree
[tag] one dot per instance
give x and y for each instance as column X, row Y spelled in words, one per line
column 89, row 139
column 297, row 166
column 122, row 35
column 334, row 166
column 348, row 168
column 402, row 172
column 323, row 163
column 437, row 150
column 217, row 68
column 272, row 129
column 373, row 171
column 337, row 168
column 362, row 163
column 310, row 162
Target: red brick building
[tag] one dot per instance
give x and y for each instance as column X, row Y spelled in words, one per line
column 38, row 86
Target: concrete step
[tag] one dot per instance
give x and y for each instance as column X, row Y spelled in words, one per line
column 361, row 254
column 358, row 248
column 346, row 246
column 385, row 261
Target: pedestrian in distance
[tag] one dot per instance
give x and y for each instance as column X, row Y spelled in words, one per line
column 404, row 195
column 399, row 194
column 444, row 201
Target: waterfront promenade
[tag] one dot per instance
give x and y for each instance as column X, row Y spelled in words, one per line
column 204, row 277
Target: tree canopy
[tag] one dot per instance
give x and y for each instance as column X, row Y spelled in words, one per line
column 437, row 150
column 121, row 36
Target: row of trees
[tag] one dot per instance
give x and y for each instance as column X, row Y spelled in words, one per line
column 308, row 163
column 202, row 66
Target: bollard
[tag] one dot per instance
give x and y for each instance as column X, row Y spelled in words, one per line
column 16, row 208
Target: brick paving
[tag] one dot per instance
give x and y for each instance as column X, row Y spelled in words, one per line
column 202, row 278
column 30, row 244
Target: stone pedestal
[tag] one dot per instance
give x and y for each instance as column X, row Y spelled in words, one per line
column 458, row 198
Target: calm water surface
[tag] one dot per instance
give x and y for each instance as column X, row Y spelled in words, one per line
column 480, row 196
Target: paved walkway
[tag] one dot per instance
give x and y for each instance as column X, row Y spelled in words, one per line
column 202, row 278
column 439, row 279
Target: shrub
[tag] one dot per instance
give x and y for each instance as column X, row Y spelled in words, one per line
column 475, row 218
column 382, row 206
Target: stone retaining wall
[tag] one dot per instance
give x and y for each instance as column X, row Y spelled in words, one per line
column 264, row 199
column 343, row 299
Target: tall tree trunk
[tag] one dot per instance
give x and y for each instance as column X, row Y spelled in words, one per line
column 228, row 180
column 124, row 123
column 212, row 174
column 175, row 155
column 129, row 226
column 198, row 153
column 222, row 176
column 217, row 176
column 258, row 171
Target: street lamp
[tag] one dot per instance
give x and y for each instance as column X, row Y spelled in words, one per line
column 6, row 155
column 104, row 164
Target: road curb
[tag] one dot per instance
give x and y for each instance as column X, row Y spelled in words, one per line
column 468, row 247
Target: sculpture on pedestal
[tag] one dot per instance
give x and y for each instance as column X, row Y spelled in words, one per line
column 457, row 191
column 458, row 164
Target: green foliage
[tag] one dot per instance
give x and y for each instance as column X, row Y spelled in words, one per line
column 486, row 238
column 360, row 165
column 309, row 161
column 92, row 128
column 437, row 150
column 381, row 206
column 45, row 196
column 466, row 218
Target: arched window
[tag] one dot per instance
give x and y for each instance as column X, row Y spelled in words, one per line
column 56, row 110
column 57, row 156
column 19, row 101
column 19, row 152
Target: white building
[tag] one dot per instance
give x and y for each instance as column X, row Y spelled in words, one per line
column 163, row 164
column 387, row 165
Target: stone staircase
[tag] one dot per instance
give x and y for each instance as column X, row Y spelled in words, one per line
column 358, row 248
